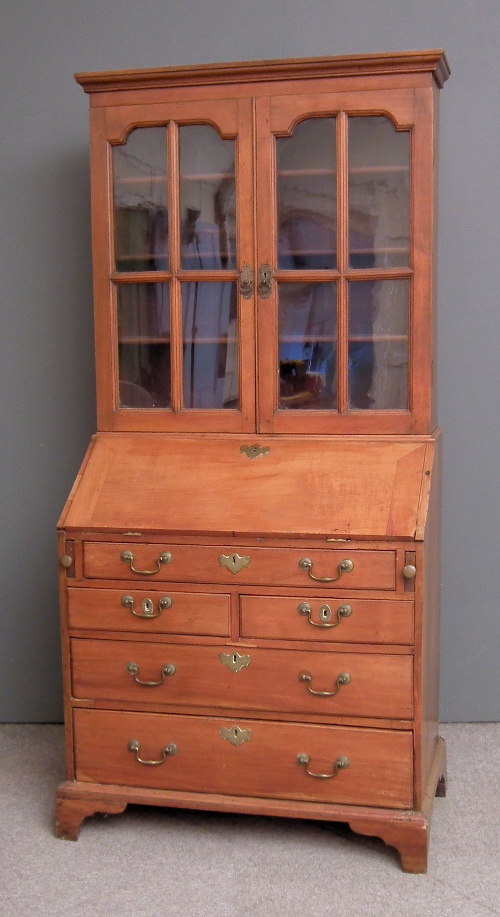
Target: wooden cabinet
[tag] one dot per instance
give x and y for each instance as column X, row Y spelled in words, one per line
column 250, row 554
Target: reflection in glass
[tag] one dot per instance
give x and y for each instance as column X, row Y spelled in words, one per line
column 306, row 196
column 378, row 345
column 140, row 201
column 207, row 199
column 143, row 316
column 307, row 346
column 209, row 321
column 379, row 196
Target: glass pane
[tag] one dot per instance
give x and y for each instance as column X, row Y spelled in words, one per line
column 378, row 345
column 306, row 196
column 379, row 195
column 207, row 199
column 307, row 346
column 143, row 315
column 140, row 201
column 209, row 321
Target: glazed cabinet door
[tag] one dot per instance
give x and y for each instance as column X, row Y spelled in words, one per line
column 173, row 240
column 344, row 258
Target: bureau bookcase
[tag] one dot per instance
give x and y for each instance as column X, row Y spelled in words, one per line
column 249, row 557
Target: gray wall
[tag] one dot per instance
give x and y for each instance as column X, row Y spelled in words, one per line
column 47, row 387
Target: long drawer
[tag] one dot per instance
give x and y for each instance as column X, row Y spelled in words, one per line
column 350, row 620
column 149, row 611
column 358, row 684
column 245, row 757
column 222, row 564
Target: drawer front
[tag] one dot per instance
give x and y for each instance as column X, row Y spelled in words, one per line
column 377, row 685
column 349, row 620
column 149, row 611
column 223, row 564
column 264, row 763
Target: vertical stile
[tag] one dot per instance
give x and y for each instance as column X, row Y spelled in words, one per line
column 343, row 262
column 174, row 234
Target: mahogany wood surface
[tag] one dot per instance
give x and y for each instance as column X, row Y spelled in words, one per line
column 381, row 685
column 331, row 486
column 371, row 621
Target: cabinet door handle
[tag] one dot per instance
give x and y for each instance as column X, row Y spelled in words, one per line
column 265, row 281
column 246, row 282
column 147, row 606
column 132, row 668
column 339, row 765
column 134, row 747
column 128, row 558
column 324, row 614
column 345, row 566
column 343, row 679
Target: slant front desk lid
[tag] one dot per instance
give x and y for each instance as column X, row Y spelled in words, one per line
column 254, row 485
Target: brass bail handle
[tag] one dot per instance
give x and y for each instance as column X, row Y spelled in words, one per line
column 343, row 679
column 345, row 566
column 339, row 765
column 134, row 747
column 132, row 668
column 265, row 281
column 148, row 609
column 128, row 558
column 324, row 614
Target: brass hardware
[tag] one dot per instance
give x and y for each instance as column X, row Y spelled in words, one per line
column 128, row 558
column 66, row 561
column 235, row 735
column 265, row 281
column 255, row 451
column 345, row 566
column 246, row 281
column 324, row 614
column 147, row 606
column 233, row 562
column 339, row 765
column 234, row 661
column 343, row 679
column 132, row 668
column 409, row 572
column 134, row 747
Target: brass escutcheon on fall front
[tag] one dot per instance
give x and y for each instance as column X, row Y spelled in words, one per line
column 255, row 451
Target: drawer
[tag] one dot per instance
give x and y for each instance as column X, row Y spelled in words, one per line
column 378, row 685
column 222, row 564
column 350, row 620
column 264, row 763
column 149, row 611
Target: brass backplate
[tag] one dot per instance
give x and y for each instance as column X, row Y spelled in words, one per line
column 255, row 451
column 234, row 661
column 233, row 562
column 235, row 735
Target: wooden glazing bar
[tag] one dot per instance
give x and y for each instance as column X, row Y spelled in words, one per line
column 343, row 261
column 174, row 255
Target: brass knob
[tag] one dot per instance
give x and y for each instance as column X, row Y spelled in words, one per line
column 409, row 571
column 66, row 561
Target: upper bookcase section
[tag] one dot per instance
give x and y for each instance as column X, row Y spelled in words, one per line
column 263, row 244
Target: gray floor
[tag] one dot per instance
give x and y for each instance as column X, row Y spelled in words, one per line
column 150, row 862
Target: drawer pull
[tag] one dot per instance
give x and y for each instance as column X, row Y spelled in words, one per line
column 324, row 614
column 339, row 765
column 128, row 558
column 148, row 610
column 345, row 566
column 132, row 668
column 233, row 562
column 134, row 747
column 343, row 679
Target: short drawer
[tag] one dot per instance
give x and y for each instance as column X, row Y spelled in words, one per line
column 350, row 620
column 377, row 685
column 149, row 611
column 245, row 757
column 297, row 566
